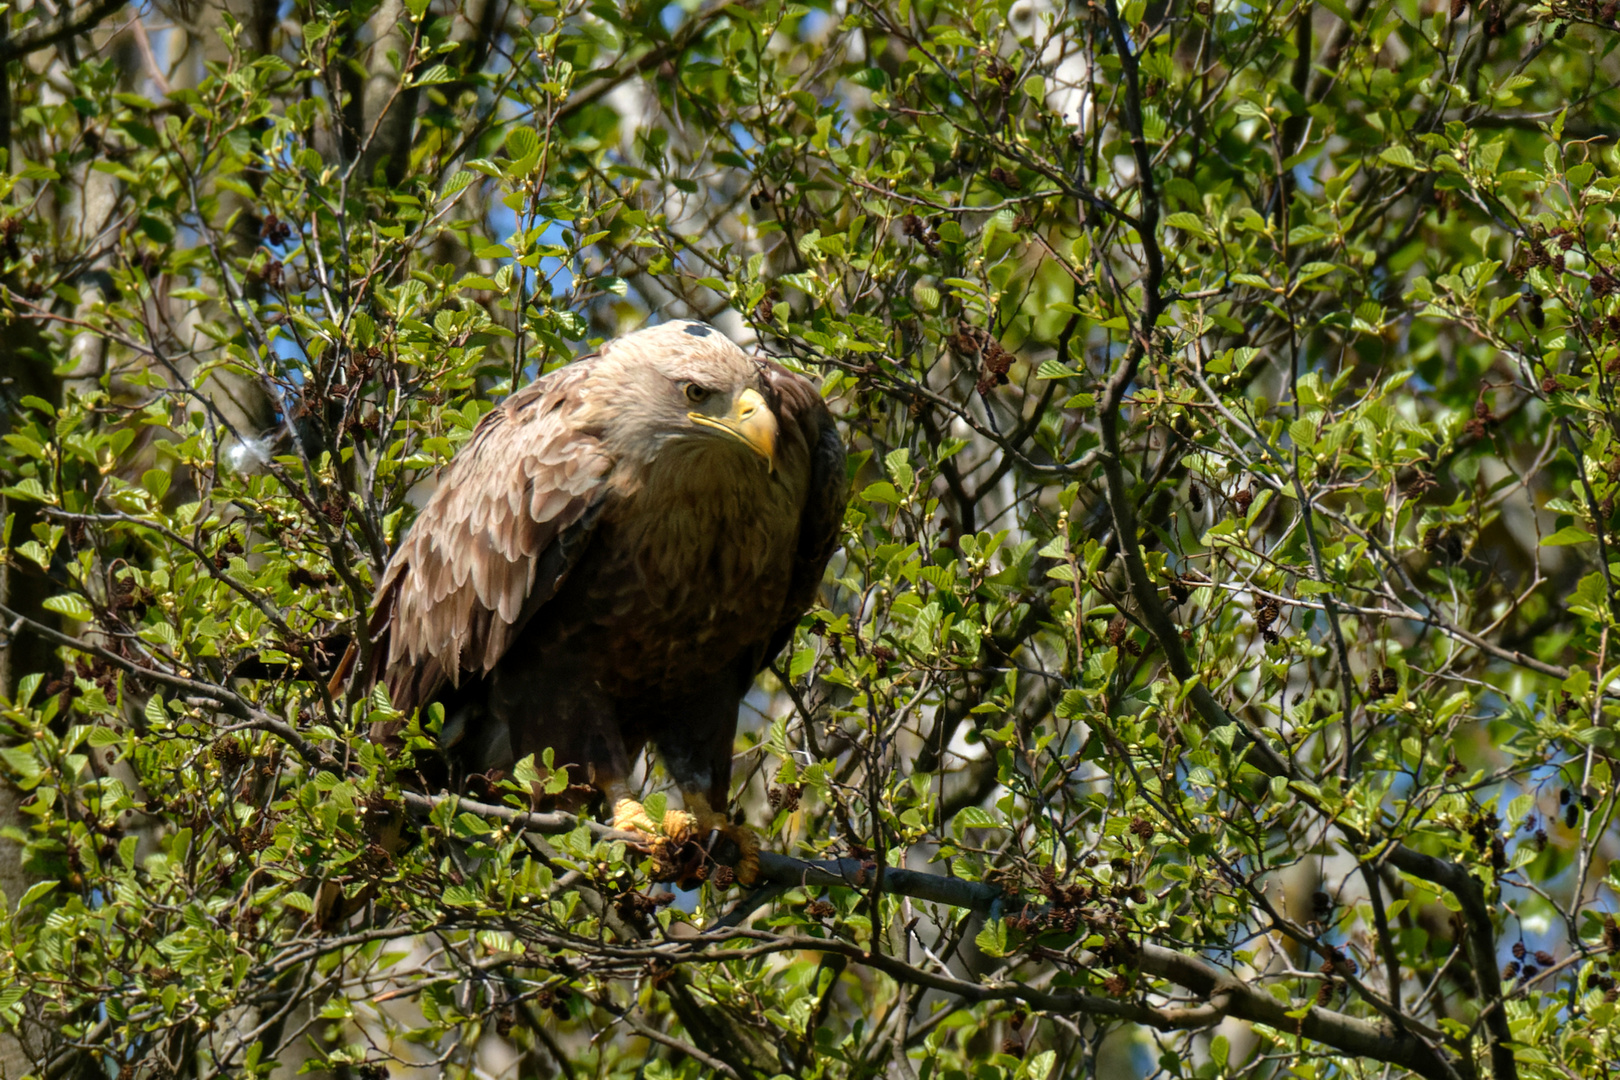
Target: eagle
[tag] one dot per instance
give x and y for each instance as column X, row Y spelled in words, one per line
column 614, row 555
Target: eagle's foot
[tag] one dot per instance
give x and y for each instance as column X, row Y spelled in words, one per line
column 719, row 844
column 630, row 816
column 692, row 846
column 746, row 841
column 666, row 842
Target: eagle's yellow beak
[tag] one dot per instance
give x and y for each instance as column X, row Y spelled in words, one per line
column 750, row 420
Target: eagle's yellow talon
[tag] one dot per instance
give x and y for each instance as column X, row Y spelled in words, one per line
column 748, row 862
column 681, row 826
column 744, row 858
column 631, row 816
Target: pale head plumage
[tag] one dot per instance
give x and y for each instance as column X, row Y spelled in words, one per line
column 684, row 381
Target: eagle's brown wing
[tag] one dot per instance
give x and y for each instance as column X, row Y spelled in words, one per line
column 799, row 405
column 510, row 518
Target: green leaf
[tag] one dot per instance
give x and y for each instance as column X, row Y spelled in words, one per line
column 156, row 481
column 972, row 817
column 155, row 229
column 34, row 892
column 882, row 492
column 1187, row 223
column 71, row 606
column 521, row 142
column 992, row 940
column 457, row 183
column 1401, row 156
column 435, row 76
column 1569, row 534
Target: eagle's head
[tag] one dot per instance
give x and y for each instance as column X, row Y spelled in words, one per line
column 687, row 384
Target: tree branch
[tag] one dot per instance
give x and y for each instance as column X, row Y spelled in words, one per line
column 17, row 48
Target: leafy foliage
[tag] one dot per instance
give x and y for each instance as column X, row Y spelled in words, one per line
column 1217, row 675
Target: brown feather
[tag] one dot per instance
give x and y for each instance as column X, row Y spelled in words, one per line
column 468, row 565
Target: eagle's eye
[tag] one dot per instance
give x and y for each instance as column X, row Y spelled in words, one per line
column 696, row 394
